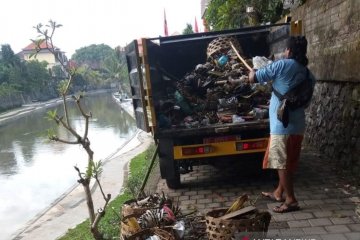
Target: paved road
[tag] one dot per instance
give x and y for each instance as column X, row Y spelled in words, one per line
column 327, row 202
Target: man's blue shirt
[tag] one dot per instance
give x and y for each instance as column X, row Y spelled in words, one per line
column 284, row 74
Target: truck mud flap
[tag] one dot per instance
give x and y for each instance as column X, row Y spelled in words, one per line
column 169, row 169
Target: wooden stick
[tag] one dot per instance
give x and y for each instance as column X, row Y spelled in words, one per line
column 238, row 212
column 242, row 60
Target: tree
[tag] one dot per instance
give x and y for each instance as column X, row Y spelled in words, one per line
column 4, row 73
column 105, row 64
column 38, row 76
column 12, row 70
column 92, row 77
column 93, row 55
column 188, row 29
column 94, row 168
column 8, row 56
column 230, row 14
column 123, row 71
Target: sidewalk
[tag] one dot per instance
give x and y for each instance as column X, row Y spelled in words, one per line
column 327, row 202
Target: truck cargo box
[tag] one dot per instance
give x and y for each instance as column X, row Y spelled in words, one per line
column 157, row 67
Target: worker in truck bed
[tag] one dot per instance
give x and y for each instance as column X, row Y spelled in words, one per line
column 284, row 147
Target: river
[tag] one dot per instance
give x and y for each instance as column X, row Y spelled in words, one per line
column 34, row 172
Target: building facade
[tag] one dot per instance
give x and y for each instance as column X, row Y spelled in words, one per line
column 44, row 54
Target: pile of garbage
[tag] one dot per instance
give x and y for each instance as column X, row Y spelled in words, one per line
column 217, row 91
column 157, row 217
column 154, row 217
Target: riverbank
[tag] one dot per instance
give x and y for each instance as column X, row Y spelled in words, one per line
column 16, row 113
column 12, row 114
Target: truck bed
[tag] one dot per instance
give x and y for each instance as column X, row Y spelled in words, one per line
column 225, row 128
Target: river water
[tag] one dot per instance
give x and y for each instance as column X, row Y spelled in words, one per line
column 34, row 172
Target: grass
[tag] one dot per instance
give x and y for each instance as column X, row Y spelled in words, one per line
column 110, row 223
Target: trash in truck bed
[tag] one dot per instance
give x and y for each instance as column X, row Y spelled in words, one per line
column 216, row 92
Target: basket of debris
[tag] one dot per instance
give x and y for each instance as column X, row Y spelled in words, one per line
column 131, row 229
column 133, row 210
column 140, row 218
column 137, row 207
column 221, row 45
column 237, row 221
column 152, row 233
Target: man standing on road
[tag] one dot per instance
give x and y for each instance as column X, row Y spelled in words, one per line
column 284, row 147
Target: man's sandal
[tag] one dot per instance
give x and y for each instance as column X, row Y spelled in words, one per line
column 286, row 207
column 271, row 196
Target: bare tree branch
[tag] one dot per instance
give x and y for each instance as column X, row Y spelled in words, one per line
column 54, row 138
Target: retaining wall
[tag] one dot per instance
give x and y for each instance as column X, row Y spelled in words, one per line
column 332, row 28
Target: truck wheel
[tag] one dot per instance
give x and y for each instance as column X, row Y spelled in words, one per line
column 171, row 172
column 169, row 168
column 173, row 183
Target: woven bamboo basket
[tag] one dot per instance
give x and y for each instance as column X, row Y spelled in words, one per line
column 222, row 45
column 217, row 229
column 129, row 211
column 162, row 233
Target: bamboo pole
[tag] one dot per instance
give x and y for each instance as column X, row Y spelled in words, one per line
column 242, row 60
column 141, row 191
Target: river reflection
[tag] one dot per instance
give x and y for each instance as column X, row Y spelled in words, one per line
column 34, row 172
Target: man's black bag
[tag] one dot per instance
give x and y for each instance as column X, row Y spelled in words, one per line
column 298, row 96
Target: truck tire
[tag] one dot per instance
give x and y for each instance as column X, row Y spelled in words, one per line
column 174, row 181
column 169, row 168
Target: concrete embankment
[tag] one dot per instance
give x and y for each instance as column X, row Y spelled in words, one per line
column 16, row 113
column 19, row 112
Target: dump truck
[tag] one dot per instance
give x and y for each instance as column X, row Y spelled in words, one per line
column 156, row 68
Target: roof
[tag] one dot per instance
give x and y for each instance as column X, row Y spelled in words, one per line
column 203, row 6
column 32, row 46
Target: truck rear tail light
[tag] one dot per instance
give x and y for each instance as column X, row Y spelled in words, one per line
column 197, row 150
column 253, row 145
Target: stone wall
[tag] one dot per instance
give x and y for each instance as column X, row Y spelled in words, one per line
column 10, row 101
column 332, row 28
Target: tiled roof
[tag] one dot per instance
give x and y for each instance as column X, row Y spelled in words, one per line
column 32, row 46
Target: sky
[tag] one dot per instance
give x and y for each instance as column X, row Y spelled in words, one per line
column 86, row 22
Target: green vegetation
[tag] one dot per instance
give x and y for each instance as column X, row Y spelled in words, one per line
column 230, row 14
column 93, row 55
column 99, row 67
column 30, row 78
column 110, row 224
column 188, row 29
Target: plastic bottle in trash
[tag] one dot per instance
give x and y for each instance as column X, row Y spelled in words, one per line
column 179, row 228
column 223, row 60
column 237, row 119
column 153, row 237
column 261, row 113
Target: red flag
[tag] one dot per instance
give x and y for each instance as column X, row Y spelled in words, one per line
column 196, row 29
column 165, row 25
